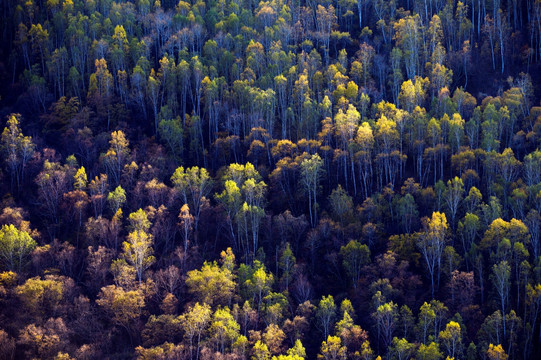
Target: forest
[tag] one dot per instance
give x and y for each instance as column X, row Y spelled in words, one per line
column 270, row 180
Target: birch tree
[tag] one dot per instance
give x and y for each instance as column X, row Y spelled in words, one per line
column 311, row 172
column 431, row 243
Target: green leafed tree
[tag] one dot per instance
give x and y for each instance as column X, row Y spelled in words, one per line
column 224, row 330
column 15, row 246
column 194, row 185
column 116, row 198
column 355, row 255
column 137, row 250
column 311, row 171
column 213, row 284
column 429, row 352
column 195, row 321
column 431, row 244
column 17, row 149
column 451, row 338
column 287, row 262
column 332, row 349
column 326, row 315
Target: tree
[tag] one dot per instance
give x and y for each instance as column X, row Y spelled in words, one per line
column 137, row 250
column 341, row 204
column 406, row 320
column 532, row 162
column 17, row 149
column 496, row 352
column 401, row 349
column 427, row 319
column 186, row 225
column 462, row 288
column 332, row 349
column 508, row 167
column 473, row 200
column 80, row 180
column 397, row 77
column 39, row 38
column 41, row 296
column 501, row 274
column 53, row 182
column 502, row 33
column 100, row 90
column 355, row 255
column 256, row 281
column 224, row 330
column 297, row 350
column 287, row 262
column 453, row 195
column 325, row 314
column 514, row 231
column 116, row 198
column 160, row 329
column 15, row 246
column 451, row 338
column 389, row 157
column 533, row 222
column 274, row 337
column 195, row 322
column 429, row 352
column 468, row 229
column 533, row 302
column 280, row 84
column 434, row 135
column 365, row 142
column 250, row 215
column 386, row 317
column 157, row 193
column 231, row 199
column 408, row 36
column 311, row 171
column 153, row 92
column 166, row 349
column 213, row 285
column 8, row 345
column 46, row 340
column 138, row 86
column 98, row 187
column 194, row 185
column 260, row 351
column 352, row 335
column 431, row 243
column 75, row 203
column 248, row 220
column 115, row 158
column 171, row 133
column 456, row 131
column 326, row 18
column 124, row 307
column 407, row 212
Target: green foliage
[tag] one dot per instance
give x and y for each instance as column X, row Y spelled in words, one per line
column 429, row 352
column 212, row 284
column 15, row 246
column 355, row 256
column 138, row 251
column 326, row 314
column 116, row 199
column 17, row 148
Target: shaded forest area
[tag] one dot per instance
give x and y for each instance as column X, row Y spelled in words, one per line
column 280, row 180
